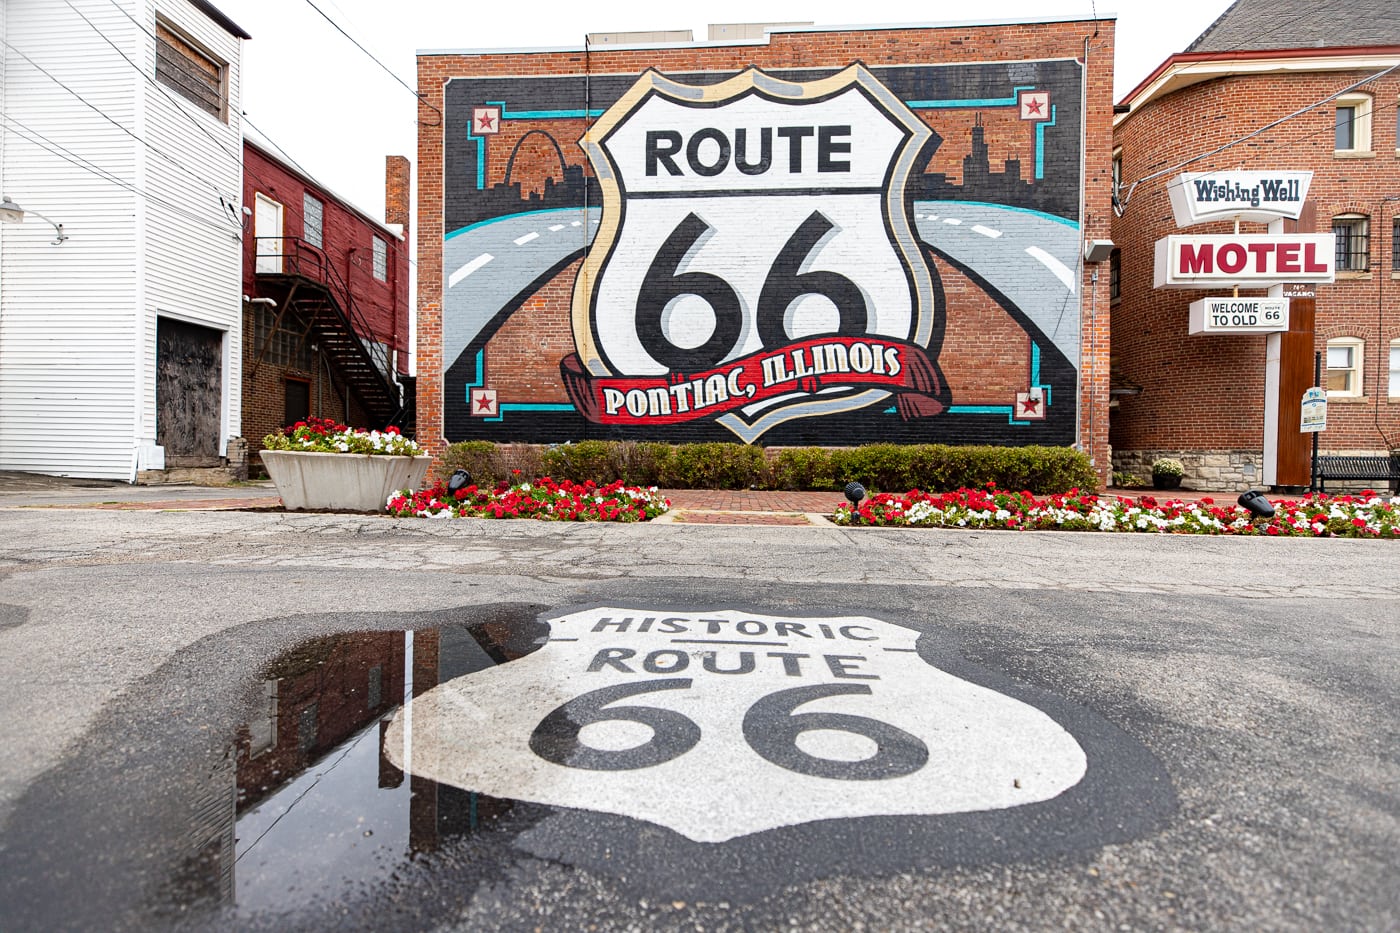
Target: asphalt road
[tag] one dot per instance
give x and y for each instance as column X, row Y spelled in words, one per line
column 1003, row 731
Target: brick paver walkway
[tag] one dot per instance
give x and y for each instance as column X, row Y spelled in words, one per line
column 753, row 500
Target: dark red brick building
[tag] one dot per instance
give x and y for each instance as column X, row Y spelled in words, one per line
column 325, row 301
column 1271, row 86
column 821, row 236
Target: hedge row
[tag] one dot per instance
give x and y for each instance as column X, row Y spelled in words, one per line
column 879, row 467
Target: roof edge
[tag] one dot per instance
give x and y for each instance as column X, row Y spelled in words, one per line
column 715, row 43
column 265, row 147
column 213, row 12
column 1186, row 58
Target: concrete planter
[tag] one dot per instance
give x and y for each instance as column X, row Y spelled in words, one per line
column 350, row 482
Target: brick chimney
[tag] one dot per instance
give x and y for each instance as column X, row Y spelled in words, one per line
column 397, row 172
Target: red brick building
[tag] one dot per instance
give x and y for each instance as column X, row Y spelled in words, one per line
column 326, row 301
column 820, row 236
column 1269, row 87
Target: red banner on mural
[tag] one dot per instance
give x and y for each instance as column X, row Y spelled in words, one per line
column 806, row 366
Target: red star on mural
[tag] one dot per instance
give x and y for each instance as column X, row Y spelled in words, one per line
column 1030, row 406
column 485, row 122
column 483, row 403
column 1033, row 107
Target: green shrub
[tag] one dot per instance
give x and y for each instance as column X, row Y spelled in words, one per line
column 800, row 468
column 491, row 463
column 878, row 467
column 714, row 466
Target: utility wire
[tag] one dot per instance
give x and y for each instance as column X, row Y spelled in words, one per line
column 223, row 99
column 412, row 90
column 236, row 157
column 43, row 142
column 1122, row 203
column 102, row 113
column 294, row 209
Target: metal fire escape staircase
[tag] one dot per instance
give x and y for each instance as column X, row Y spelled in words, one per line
column 308, row 290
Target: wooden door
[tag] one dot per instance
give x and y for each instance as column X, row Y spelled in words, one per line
column 189, row 393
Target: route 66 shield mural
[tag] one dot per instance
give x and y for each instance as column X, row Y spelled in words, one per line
column 723, row 724
column 688, row 309
column 784, row 255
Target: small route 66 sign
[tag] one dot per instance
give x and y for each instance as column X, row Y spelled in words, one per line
column 722, row 724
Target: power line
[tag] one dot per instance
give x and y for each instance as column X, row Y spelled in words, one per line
column 102, row 113
column 1123, row 203
column 412, row 90
column 223, row 99
column 294, row 209
column 236, row 157
column 43, row 142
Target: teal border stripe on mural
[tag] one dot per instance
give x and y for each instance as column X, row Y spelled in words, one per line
column 1040, row 141
column 518, row 115
column 506, row 406
column 527, row 406
column 1011, row 101
column 546, row 114
column 1053, row 218
column 1008, row 410
column 494, row 220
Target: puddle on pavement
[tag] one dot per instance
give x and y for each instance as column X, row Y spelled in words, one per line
column 321, row 810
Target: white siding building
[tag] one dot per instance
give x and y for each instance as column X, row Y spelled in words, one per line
column 119, row 332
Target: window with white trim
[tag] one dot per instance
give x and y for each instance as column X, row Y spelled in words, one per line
column 1344, row 356
column 1353, row 125
column 1353, row 239
column 381, row 259
column 312, row 212
column 1394, row 390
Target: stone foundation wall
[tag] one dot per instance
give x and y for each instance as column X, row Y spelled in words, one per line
column 1207, row 470
column 1229, row 470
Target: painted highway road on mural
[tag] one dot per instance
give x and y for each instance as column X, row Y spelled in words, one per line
column 1028, row 257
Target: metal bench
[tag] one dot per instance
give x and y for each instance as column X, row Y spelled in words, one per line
column 1356, row 468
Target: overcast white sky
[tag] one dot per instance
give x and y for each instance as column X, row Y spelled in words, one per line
column 338, row 114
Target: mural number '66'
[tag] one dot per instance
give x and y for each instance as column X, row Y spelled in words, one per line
column 770, row 727
column 785, row 283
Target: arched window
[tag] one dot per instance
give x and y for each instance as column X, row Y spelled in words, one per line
column 1354, row 123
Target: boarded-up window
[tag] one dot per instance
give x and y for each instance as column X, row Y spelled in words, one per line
column 190, row 71
column 312, row 211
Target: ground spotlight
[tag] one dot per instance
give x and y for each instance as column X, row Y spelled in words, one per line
column 854, row 493
column 1258, row 506
column 459, row 480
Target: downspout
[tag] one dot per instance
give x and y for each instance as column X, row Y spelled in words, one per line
column 1079, row 265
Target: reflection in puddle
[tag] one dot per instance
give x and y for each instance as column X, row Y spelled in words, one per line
column 320, row 809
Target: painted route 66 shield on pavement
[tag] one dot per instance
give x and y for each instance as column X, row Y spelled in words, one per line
column 688, row 308
column 722, row 724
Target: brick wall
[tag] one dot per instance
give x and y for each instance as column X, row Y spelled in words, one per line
column 264, row 394
column 1205, row 393
column 987, row 354
column 346, row 247
column 346, row 239
column 397, row 174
